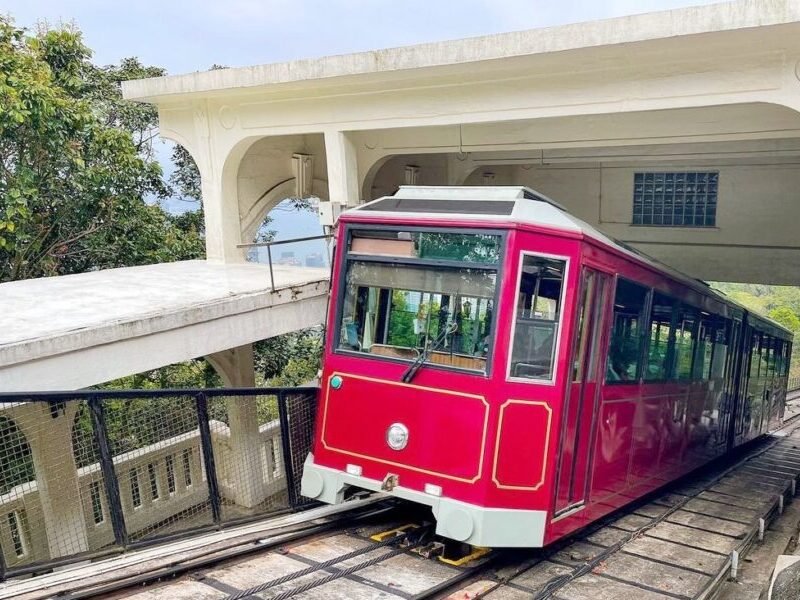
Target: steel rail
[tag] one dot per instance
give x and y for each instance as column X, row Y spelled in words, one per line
column 290, row 533
column 327, row 564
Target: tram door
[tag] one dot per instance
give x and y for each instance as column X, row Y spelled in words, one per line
column 577, row 434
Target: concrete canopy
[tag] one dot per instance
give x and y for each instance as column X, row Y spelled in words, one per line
column 572, row 111
column 79, row 330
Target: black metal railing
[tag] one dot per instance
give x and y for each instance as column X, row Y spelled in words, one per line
column 269, row 245
column 94, row 472
column 793, row 384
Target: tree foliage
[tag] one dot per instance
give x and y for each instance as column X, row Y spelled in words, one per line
column 77, row 163
column 81, row 187
column 779, row 303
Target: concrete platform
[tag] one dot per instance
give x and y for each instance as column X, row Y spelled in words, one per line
column 74, row 331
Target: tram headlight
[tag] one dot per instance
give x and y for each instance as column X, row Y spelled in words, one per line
column 397, row 436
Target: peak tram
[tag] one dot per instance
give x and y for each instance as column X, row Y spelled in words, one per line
column 497, row 359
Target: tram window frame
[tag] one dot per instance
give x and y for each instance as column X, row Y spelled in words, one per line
column 704, row 346
column 643, row 326
column 686, row 313
column 559, row 322
column 787, row 356
column 666, row 369
column 770, row 356
column 721, row 338
column 754, row 356
column 348, row 256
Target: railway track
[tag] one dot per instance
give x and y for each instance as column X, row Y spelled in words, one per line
column 680, row 544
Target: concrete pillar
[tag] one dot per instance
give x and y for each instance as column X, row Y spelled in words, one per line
column 246, row 474
column 340, row 153
column 218, row 183
column 222, row 227
column 49, row 434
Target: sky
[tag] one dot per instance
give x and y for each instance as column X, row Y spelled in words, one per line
column 191, row 35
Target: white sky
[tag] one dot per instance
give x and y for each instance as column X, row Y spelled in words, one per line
column 191, row 35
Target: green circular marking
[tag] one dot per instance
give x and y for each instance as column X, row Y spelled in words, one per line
column 336, row 382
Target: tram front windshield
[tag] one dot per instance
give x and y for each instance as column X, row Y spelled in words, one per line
column 409, row 293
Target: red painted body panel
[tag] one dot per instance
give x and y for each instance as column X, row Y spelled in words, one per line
column 429, row 412
column 493, row 442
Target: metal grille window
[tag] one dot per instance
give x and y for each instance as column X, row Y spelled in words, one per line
column 675, row 199
column 151, row 473
column 187, row 467
column 136, row 493
column 97, row 502
column 14, row 523
column 170, row 474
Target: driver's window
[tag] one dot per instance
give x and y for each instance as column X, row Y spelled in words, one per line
column 537, row 317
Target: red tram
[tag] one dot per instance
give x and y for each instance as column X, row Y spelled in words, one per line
column 503, row 362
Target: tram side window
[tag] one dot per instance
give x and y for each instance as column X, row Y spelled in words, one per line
column 787, row 358
column 659, row 349
column 720, row 350
column 704, row 348
column 755, row 355
column 536, row 317
column 787, row 353
column 685, row 332
column 769, row 355
column 625, row 347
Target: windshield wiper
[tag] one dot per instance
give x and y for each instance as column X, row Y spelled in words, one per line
column 420, row 360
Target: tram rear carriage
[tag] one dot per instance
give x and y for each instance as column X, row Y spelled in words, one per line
column 499, row 360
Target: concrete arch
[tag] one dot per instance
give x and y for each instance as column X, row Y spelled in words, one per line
column 84, row 446
column 263, row 173
column 14, row 446
column 221, row 207
column 182, row 141
column 252, row 220
column 389, row 172
column 370, row 174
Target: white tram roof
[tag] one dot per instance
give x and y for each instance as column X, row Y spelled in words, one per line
column 517, row 204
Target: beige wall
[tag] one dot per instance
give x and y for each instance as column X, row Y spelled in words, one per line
column 758, row 211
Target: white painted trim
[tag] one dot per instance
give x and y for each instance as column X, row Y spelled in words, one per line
column 471, row 523
column 557, row 344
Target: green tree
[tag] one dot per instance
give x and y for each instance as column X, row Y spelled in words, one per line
column 786, row 317
column 81, row 188
column 77, row 163
column 780, row 303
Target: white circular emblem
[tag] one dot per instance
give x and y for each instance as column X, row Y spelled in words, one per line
column 397, row 436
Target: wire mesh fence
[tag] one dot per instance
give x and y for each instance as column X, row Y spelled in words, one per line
column 86, row 473
column 247, row 440
column 297, row 420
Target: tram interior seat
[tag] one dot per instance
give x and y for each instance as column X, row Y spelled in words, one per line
column 463, row 361
column 394, row 351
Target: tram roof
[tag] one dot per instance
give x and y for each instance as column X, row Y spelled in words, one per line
column 516, row 204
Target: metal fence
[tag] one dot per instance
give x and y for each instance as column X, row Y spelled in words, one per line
column 319, row 259
column 87, row 473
